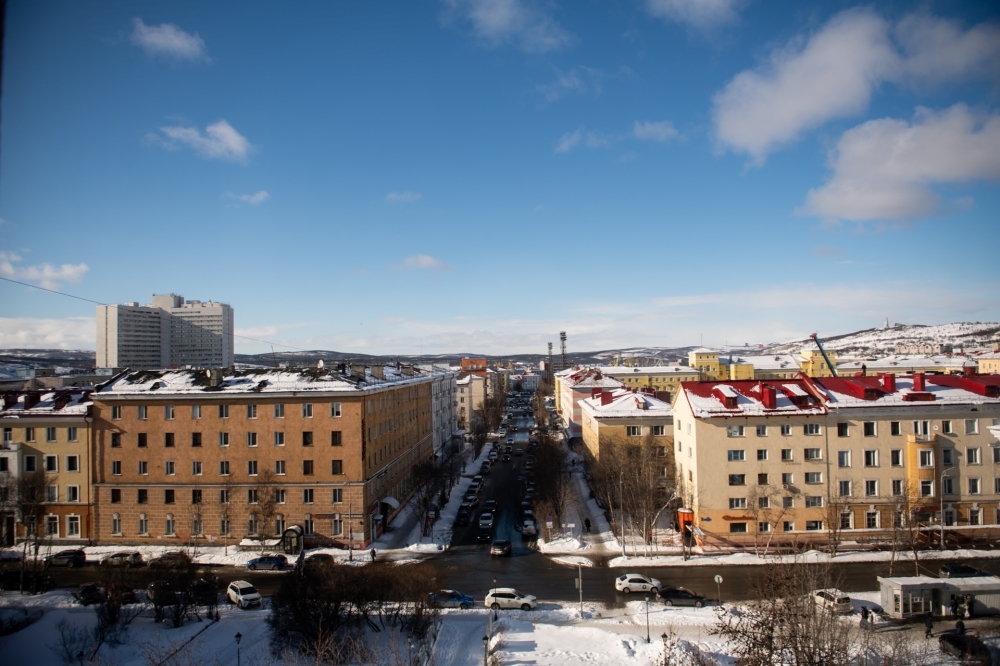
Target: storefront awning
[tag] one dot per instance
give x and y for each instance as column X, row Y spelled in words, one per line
column 391, row 501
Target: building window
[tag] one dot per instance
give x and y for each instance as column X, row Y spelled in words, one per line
column 251, row 411
column 843, row 458
column 335, row 438
column 761, row 454
column 142, row 496
column 168, row 412
column 168, row 496
column 252, row 526
column 143, row 467
column 279, row 524
column 141, row 410
column 869, row 429
column 52, row 526
column 51, row 493
column 975, row 516
column 787, row 478
column 737, row 528
column 814, row 477
column 279, row 410
column 996, row 485
column 223, row 468
column 971, row 426
column 814, row 501
column 169, row 527
column 947, row 486
column 308, row 526
column 736, row 455
column 926, row 488
column 737, row 479
column 337, row 466
column 116, row 495
column 786, row 430
column 141, row 440
column 223, row 411
column 787, row 502
column 894, row 429
column 196, row 496
column 251, row 495
column 762, row 479
column 279, row 467
column 338, row 525
column 116, row 440
column 762, row 431
column 223, row 439
column 871, row 457
column 71, row 434
column 926, row 457
column 29, row 434
column 845, row 488
column 972, row 456
column 734, row 431
column 871, row 519
column 846, row 520
column 116, row 524
column 897, row 487
column 813, row 454
column 196, row 439
column 195, row 411
column 814, row 525
column 946, row 427
column 947, row 457
column 168, row 439
column 196, row 468
column 224, row 496
column 143, row 524
column 279, row 439
column 307, row 495
column 974, row 487
column 29, row 463
column 307, row 410
column 335, row 410
column 786, row 455
column 307, row 438
column 811, row 429
column 996, row 455
column 196, row 525
column 251, row 439
column 737, row 502
column 843, row 430
column 252, row 467
column 168, row 467
column 659, row 431
column 337, row 496
column 51, row 463
column 279, row 496
column 224, row 527
column 307, row 467
column 764, row 502
column 871, row 488
column 633, row 431
column 116, row 412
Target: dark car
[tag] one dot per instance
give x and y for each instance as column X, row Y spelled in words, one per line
column 484, row 535
column 500, row 548
column 679, row 596
column 463, row 518
column 960, row 571
column 160, row 593
column 967, row 648
column 490, row 505
column 485, row 469
column 450, row 599
column 89, row 594
column 506, row 457
column 319, row 560
column 67, row 558
column 275, row 562
column 123, row 593
column 175, row 558
column 124, row 559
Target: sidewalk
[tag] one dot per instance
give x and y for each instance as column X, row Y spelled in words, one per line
column 600, row 542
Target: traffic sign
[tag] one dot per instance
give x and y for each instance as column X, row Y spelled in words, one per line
column 718, row 579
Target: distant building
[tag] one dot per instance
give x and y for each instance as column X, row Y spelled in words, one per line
column 169, row 332
column 628, row 416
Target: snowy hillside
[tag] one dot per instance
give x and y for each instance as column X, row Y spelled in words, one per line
column 964, row 335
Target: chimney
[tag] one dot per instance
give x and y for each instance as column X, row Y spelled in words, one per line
column 31, row 399
column 918, row 381
column 769, row 396
column 595, row 393
column 358, row 371
column 215, row 376
column 889, row 382
column 969, row 371
column 378, row 372
column 406, row 369
column 605, row 398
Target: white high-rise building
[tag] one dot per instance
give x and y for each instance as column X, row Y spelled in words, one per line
column 170, row 332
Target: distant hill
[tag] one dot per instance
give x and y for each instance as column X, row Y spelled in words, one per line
column 967, row 335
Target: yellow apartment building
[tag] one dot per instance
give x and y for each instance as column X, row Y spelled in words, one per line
column 624, row 415
column 665, row 379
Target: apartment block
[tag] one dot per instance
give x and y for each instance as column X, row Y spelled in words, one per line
column 574, row 385
column 624, row 416
column 186, row 455
column 665, row 378
column 48, row 432
column 848, row 458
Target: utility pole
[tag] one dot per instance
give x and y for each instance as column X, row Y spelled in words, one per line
column 621, row 506
column 579, row 584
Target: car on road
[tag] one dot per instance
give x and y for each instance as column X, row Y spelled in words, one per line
column 490, row 505
column 124, row 559
column 318, row 560
column 470, row 499
column 508, row 597
column 486, row 519
column 832, row 600
column 955, row 570
column 485, row 469
column 508, row 449
column 274, row 562
column 462, row 518
column 243, row 594
column 506, row 457
column 485, row 534
column 67, row 558
column 633, row 582
column 967, row 648
column 501, row 548
column 518, row 452
column 681, row 596
column 528, row 529
column 474, row 487
column 451, row 599
column 510, row 440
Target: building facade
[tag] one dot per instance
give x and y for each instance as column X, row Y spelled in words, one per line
column 666, row 378
column 623, row 416
column 574, row 385
column 183, row 456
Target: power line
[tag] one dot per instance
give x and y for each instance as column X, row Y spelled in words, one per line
column 88, row 300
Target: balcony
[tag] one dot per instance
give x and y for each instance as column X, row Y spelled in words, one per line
column 921, row 439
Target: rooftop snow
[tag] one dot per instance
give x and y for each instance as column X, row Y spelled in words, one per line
column 77, row 404
column 705, row 404
column 625, row 403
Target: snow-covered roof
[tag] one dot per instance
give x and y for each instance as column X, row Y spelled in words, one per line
column 775, row 362
column 627, row 404
column 863, row 392
column 155, row 383
column 619, row 370
column 704, row 350
column 44, row 404
column 745, row 398
column 898, row 362
column 590, row 378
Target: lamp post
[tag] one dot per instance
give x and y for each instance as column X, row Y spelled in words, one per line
column 239, row 636
column 647, row 618
column 665, row 639
column 409, row 650
column 486, row 651
column 495, row 612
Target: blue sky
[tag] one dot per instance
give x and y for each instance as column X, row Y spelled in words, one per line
column 477, row 175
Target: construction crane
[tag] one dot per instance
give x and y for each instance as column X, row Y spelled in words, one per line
column 822, row 351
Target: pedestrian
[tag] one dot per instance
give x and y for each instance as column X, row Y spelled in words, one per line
column 970, row 602
column 373, row 554
column 960, row 628
column 954, row 606
column 928, row 626
column 864, row 617
column 586, row 524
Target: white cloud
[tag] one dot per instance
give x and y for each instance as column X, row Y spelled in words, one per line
column 254, row 199
column 885, row 169
column 650, row 131
column 220, row 141
column 499, row 22
column 46, row 275
column 31, row 333
column 568, row 141
column 424, row 262
column 403, row 197
column 834, row 73
column 577, row 80
column 167, row 40
column 701, row 14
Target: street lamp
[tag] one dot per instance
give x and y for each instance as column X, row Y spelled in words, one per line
column 647, row 618
column 665, row 639
column 409, row 650
column 496, row 616
column 486, row 651
column 239, row 636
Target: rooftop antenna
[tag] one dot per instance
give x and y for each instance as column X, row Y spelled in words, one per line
column 274, row 358
column 562, row 346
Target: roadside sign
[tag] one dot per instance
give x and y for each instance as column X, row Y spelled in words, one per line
column 718, row 579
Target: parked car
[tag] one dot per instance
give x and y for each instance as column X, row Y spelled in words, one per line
column 486, row 519
column 485, row 469
column 832, row 600
column 89, row 594
column 506, row 457
column 67, row 558
column 508, row 597
column 501, row 548
column 462, row 518
column 518, row 452
column 969, row 649
column 451, row 599
column 485, row 534
column 160, row 593
column 633, row 582
column 956, row 570
column 123, row 593
column 490, row 505
column 175, row 558
column 124, row 559
column 274, row 562
column 243, row 594
column 319, row 559
column 528, row 528
column 477, row 479
column 470, row 500
column 680, row 596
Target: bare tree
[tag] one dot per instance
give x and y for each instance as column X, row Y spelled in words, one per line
column 836, row 507
column 491, row 410
column 764, row 503
column 226, row 509
column 552, row 465
column 29, row 504
column 906, row 532
column 267, row 503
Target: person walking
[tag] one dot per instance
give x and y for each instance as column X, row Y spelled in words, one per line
column 928, row 626
column 373, row 554
column 864, row 617
column 586, row 524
